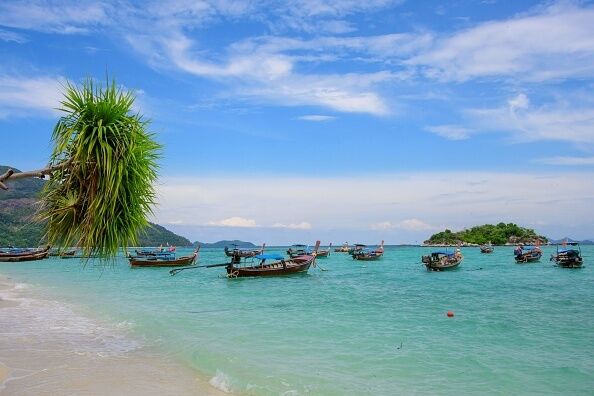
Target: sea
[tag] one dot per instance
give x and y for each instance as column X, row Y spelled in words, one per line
column 344, row 328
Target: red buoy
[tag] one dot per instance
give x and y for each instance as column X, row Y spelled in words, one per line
column 450, row 314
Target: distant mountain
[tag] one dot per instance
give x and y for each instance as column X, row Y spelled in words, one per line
column 18, row 228
column 559, row 241
column 156, row 235
column 222, row 244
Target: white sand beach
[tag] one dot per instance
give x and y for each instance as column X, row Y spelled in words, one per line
column 47, row 349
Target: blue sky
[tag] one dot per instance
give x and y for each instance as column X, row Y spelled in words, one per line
column 290, row 121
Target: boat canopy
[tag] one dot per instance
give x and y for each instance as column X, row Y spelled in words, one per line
column 443, row 252
column 270, row 256
column 299, row 245
column 567, row 250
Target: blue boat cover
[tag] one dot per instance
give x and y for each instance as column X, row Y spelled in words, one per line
column 567, row 250
column 271, row 256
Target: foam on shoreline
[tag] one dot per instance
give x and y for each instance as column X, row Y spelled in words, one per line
column 47, row 348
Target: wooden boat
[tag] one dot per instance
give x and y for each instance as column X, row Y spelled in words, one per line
column 36, row 254
column 357, row 247
column 241, row 267
column 243, row 252
column 442, row 260
column 15, row 252
column 324, row 252
column 527, row 254
column 568, row 257
column 369, row 254
column 486, row 248
column 299, row 250
column 343, row 249
column 276, row 268
column 163, row 260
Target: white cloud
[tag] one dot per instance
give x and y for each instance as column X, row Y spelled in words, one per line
column 415, row 225
column 451, row 132
column 408, row 224
column 555, row 43
column 19, row 95
column 294, row 226
column 56, row 16
column 569, row 161
column 384, row 225
column 265, row 75
column 234, row 222
column 570, row 120
column 315, row 117
column 9, row 36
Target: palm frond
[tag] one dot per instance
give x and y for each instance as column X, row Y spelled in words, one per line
column 100, row 201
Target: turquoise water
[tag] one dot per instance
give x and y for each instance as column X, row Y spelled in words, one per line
column 376, row 328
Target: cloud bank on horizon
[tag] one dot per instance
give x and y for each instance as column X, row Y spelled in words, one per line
column 312, row 90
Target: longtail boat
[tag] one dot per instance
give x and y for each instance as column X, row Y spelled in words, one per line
column 163, row 260
column 357, row 247
column 299, row 250
column 442, row 260
column 486, row 248
column 29, row 255
column 343, row 249
column 367, row 254
column 324, row 252
column 527, row 254
column 243, row 252
column 244, row 267
column 568, row 256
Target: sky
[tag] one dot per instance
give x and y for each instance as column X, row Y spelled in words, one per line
column 340, row 120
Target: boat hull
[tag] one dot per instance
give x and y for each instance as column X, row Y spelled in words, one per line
column 530, row 257
column 279, row 268
column 568, row 263
column 156, row 262
column 20, row 258
column 365, row 257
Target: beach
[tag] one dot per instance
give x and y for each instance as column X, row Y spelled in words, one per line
column 47, row 349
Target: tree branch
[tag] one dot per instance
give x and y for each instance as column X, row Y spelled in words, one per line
column 9, row 174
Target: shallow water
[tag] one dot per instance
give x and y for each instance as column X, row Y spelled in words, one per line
column 375, row 328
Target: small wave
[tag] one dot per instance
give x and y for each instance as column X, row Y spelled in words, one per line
column 21, row 286
column 221, row 381
column 58, row 324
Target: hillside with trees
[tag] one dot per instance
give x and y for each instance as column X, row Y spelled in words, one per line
column 18, row 226
column 499, row 234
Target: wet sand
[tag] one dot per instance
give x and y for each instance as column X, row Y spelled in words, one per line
column 46, row 349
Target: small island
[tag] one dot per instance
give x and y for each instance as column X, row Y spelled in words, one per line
column 500, row 234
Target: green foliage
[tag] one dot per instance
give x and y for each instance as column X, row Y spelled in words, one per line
column 19, row 228
column 101, row 200
column 497, row 234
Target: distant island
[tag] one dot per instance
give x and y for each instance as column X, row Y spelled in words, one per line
column 17, row 228
column 222, row 244
column 500, row 234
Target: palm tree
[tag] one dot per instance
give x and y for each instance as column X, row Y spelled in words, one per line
column 103, row 169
